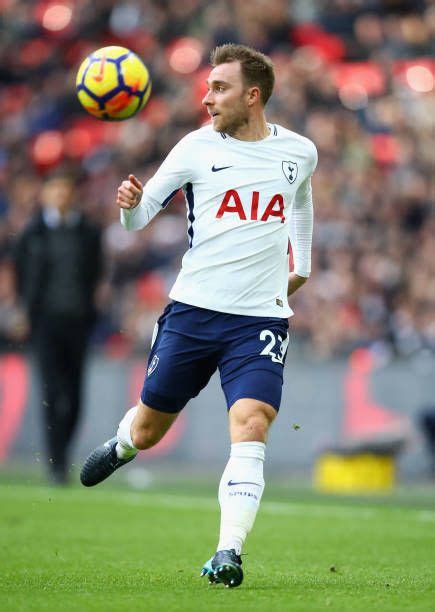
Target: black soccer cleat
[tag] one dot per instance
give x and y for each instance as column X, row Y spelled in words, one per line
column 227, row 568
column 101, row 464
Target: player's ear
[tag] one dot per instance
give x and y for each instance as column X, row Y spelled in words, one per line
column 254, row 95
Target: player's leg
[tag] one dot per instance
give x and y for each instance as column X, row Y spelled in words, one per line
column 142, row 427
column 242, row 482
column 252, row 382
column 250, row 420
column 241, row 485
column 179, row 366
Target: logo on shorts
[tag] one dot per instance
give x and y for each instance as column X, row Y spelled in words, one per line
column 153, row 365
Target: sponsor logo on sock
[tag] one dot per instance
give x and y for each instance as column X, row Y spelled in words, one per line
column 243, row 494
column 232, row 484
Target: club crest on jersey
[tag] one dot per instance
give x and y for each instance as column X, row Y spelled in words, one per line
column 154, row 363
column 290, row 170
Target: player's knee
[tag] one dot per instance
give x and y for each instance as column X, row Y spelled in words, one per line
column 254, row 427
column 145, row 437
column 250, row 420
column 251, row 428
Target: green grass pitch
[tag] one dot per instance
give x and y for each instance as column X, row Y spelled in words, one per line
column 112, row 549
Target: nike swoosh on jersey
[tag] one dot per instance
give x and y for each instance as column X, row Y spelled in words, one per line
column 231, row 483
column 214, row 169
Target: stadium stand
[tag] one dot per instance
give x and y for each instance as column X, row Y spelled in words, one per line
column 356, row 77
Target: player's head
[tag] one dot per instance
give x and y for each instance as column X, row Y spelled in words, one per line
column 240, row 82
column 59, row 190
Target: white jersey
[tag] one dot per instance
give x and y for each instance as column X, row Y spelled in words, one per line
column 244, row 201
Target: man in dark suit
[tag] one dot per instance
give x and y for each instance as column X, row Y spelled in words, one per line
column 58, row 262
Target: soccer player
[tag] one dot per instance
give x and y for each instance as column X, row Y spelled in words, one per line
column 247, row 185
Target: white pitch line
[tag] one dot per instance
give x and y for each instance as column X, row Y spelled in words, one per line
column 181, row 502
column 426, row 516
column 270, row 507
column 282, row 508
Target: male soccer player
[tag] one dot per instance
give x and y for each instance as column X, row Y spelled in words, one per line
column 247, row 188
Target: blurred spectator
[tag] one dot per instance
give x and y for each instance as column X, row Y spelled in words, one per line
column 356, row 76
column 427, row 423
column 58, row 264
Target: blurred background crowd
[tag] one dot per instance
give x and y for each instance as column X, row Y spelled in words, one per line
column 355, row 76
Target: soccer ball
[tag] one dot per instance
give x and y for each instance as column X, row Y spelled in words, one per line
column 113, row 84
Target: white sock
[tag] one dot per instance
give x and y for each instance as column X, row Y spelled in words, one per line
column 125, row 447
column 240, row 491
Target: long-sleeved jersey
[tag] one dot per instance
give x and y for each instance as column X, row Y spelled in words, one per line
column 244, row 201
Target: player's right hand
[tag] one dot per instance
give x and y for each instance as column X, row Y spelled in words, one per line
column 129, row 193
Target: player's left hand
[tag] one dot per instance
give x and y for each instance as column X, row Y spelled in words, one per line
column 129, row 193
column 294, row 282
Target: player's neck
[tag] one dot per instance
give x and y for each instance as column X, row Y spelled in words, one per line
column 255, row 129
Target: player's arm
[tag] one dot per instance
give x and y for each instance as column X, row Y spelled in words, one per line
column 301, row 232
column 139, row 204
column 294, row 282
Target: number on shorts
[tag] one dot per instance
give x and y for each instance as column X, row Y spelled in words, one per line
column 266, row 334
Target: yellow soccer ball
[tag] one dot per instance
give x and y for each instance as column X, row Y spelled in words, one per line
column 113, row 84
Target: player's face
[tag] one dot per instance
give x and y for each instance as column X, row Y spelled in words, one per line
column 227, row 98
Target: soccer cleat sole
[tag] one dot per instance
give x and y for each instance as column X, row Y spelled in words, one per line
column 229, row 574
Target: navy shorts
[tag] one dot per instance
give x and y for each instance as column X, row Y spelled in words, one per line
column 190, row 343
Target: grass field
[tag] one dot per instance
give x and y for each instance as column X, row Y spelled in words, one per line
column 113, row 549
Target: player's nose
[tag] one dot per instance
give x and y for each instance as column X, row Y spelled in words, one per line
column 207, row 99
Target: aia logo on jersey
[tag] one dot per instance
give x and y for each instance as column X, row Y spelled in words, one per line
column 290, row 170
column 232, row 203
